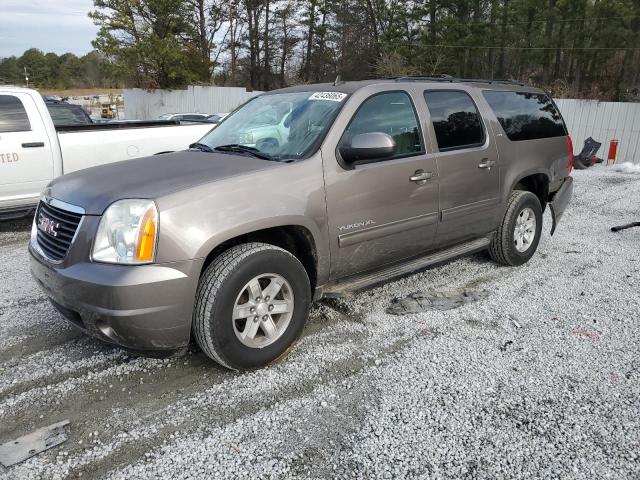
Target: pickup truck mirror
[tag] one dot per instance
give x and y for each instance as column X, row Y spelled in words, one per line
column 368, row 146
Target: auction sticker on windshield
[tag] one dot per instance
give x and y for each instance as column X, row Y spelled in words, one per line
column 332, row 96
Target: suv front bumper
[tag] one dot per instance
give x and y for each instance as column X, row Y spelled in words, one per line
column 142, row 307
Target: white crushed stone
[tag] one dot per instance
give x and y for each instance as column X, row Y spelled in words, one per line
column 627, row 167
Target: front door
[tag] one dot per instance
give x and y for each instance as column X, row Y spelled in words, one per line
column 385, row 209
column 26, row 158
column 468, row 168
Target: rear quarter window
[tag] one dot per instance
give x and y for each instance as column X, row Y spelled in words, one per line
column 13, row 116
column 526, row 116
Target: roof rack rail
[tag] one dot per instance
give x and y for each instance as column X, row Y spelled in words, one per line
column 450, row 79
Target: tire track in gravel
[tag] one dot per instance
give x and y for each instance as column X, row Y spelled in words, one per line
column 101, row 386
column 77, row 358
column 58, row 385
column 325, row 416
column 27, row 344
column 22, row 303
column 210, row 405
column 341, row 383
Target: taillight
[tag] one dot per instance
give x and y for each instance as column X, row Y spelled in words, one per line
column 570, row 147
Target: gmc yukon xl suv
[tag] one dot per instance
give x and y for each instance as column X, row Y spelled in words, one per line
column 357, row 183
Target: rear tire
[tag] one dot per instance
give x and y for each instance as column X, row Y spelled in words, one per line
column 518, row 235
column 238, row 282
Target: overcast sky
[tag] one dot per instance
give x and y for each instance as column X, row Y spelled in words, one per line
column 58, row 26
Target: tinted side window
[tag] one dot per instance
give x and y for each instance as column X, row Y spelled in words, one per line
column 526, row 116
column 391, row 113
column 13, row 116
column 455, row 118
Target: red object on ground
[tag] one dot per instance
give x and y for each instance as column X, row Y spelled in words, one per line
column 583, row 333
column 613, row 152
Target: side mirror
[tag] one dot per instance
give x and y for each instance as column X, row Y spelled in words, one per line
column 369, row 146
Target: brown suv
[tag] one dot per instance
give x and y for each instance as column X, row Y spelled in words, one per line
column 300, row 193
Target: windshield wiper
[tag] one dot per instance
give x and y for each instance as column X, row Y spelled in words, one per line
column 201, row 146
column 237, row 148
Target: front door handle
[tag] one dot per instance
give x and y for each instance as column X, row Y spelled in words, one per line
column 33, row 145
column 420, row 177
column 486, row 163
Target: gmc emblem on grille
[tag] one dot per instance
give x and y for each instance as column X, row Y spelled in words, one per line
column 48, row 226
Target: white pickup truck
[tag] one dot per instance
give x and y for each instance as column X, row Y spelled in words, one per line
column 33, row 151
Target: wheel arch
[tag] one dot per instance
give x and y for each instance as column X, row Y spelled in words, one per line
column 296, row 239
column 536, row 182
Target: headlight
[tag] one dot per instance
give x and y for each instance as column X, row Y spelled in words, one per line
column 127, row 233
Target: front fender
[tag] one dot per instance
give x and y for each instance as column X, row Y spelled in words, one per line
column 194, row 222
column 262, row 224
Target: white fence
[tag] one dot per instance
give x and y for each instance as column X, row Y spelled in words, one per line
column 143, row 105
column 604, row 121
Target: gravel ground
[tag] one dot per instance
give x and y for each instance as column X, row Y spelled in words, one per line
column 540, row 379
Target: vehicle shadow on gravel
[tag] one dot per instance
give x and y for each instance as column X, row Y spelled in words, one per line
column 19, row 225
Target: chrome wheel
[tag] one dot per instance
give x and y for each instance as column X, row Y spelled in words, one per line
column 263, row 310
column 525, row 230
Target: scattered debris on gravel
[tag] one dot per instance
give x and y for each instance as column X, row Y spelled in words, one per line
column 420, row 302
column 18, row 450
column 625, row 226
column 538, row 379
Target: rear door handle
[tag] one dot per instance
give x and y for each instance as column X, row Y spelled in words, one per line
column 420, row 177
column 33, row 145
column 486, row 163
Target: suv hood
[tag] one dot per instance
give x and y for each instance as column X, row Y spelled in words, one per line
column 94, row 189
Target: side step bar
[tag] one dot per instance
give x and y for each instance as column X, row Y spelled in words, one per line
column 360, row 282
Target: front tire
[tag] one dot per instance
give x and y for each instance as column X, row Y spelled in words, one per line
column 251, row 305
column 518, row 235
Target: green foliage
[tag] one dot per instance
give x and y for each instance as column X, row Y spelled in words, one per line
column 52, row 71
column 577, row 48
column 149, row 40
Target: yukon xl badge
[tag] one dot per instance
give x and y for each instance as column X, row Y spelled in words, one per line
column 48, row 226
column 351, row 226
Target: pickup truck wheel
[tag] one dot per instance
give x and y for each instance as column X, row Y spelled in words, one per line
column 251, row 304
column 518, row 235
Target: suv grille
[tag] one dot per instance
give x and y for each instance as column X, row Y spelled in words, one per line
column 56, row 228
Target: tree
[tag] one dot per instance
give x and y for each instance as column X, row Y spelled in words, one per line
column 37, row 66
column 152, row 40
column 10, row 72
column 581, row 48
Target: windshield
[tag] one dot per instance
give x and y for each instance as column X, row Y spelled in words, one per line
column 283, row 126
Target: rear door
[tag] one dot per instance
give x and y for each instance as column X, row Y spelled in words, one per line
column 26, row 157
column 468, row 166
column 377, row 213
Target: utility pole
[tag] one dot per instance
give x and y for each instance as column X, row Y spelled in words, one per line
column 26, row 77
